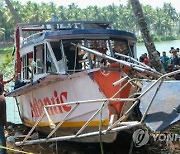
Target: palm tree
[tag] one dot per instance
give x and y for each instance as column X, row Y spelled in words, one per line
column 153, row 54
column 17, row 18
column 2, row 31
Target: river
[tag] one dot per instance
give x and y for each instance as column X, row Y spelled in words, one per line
column 160, row 46
column 12, row 111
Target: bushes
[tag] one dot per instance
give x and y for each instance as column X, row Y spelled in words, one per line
column 6, row 50
column 157, row 38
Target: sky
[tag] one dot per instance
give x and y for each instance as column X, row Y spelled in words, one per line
column 101, row 3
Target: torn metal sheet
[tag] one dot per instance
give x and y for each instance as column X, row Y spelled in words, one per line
column 165, row 108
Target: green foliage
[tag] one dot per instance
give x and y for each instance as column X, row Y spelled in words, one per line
column 6, row 64
column 161, row 21
column 2, row 30
column 6, row 50
column 157, row 38
column 168, row 38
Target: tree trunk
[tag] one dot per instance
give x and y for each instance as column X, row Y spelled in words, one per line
column 153, row 54
column 16, row 17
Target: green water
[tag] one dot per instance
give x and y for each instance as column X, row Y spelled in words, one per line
column 12, row 111
column 160, row 46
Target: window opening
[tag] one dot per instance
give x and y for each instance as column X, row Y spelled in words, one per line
column 100, row 46
column 39, row 59
column 26, row 63
column 50, row 66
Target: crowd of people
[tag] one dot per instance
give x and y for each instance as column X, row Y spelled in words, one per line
column 173, row 62
column 170, row 64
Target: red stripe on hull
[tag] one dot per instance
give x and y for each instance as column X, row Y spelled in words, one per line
column 105, row 83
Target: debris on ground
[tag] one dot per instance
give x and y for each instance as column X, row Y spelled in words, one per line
column 122, row 144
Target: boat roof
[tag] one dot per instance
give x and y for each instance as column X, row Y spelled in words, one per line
column 70, row 30
column 35, row 24
column 87, row 32
column 83, row 33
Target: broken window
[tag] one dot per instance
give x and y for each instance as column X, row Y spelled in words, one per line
column 50, row 66
column 39, row 59
column 99, row 46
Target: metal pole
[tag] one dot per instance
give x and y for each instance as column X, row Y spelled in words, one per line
column 51, row 123
column 93, row 101
column 119, row 81
column 151, row 101
column 132, row 65
column 137, row 99
column 55, row 129
column 89, row 120
column 76, row 137
column 32, row 129
column 118, row 54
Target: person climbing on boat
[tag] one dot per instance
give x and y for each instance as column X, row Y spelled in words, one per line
column 2, row 120
column 2, row 82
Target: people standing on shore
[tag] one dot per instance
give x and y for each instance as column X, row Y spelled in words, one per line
column 178, row 53
column 170, row 51
column 174, row 61
column 2, row 120
column 146, row 59
column 141, row 58
column 164, row 59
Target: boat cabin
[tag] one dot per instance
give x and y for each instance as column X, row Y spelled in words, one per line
column 50, row 47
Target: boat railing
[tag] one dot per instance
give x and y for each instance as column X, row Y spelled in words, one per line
column 32, row 37
column 131, row 59
column 25, row 28
column 78, row 134
column 114, row 125
column 137, row 66
column 105, row 103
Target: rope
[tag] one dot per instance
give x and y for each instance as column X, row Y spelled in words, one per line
column 3, row 147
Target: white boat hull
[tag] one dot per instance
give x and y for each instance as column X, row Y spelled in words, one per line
column 80, row 88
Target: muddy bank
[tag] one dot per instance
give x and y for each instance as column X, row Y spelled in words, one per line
column 123, row 145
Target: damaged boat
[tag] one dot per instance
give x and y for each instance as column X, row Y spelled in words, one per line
column 80, row 80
